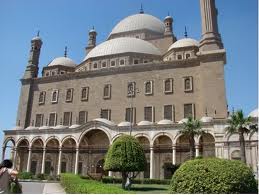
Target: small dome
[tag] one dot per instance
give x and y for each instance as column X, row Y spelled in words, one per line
column 17, row 128
column 103, row 120
column 143, row 123
column 124, row 124
column 139, row 22
column 206, row 119
column 184, row 120
column 59, row 127
column 165, row 122
column 36, row 38
column 63, row 61
column 168, row 17
column 123, row 45
column 74, row 126
column 31, row 128
column 186, row 42
column 44, row 127
column 254, row 113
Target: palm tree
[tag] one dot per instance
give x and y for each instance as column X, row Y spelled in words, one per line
column 191, row 128
column 240, row 124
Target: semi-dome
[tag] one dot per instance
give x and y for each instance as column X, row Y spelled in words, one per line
column 186, row 42
column 103, row 120
column 254, row 113
column 63, row 61
column 206, row 119
column 124, row 124
column 165, row 122
column 139, row 22
column 143, row 123
column 123, row 45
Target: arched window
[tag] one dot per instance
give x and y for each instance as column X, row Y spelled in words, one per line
column 54, row 98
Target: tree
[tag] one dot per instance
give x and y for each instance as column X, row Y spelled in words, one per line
column 127, row 156
column 191, row 128
column 240, row 124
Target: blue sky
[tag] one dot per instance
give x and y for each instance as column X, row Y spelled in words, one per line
column 66, row 23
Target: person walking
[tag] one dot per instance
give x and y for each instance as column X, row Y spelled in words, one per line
column 6, row 173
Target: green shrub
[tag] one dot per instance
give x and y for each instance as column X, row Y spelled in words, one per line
column 215, row 176
column 25, row 175
column 73, row 184
column 136, row 181
column 40, row 176
column 125, row 154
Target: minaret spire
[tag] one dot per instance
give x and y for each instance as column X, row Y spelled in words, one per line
column 141, row 9
column 38, row 33
column 65, row 52
column 211, row 39
column 185, row 32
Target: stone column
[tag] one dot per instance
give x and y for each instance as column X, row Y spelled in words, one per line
column 76, row 163
column 110, row 173
column 14, row 156
column 174, row 155
column 29, row 160
column 43, row 161
column 3, row 153
column 59, row 160
column 197, row 151
column 151, row 163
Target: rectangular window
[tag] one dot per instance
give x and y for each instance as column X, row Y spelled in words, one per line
column 106, row 113
column 52, row 119
column 168, row 112
column 187, row 56
column 39, row 120
column 82, row 117
column 148, row 114
column 54, row 97
column 95, row 66
column 136, row 61
column 107, row 91
column 149, row 88
column 69, row 95
column 104, row 64
column 84, row 94
column 168, row 86
column 42, row 97
column 188, row 84
column 130, row 115
column 122, row 62
column 189, row 110
column 67, row 118
column 131, row 89
column 113, row 63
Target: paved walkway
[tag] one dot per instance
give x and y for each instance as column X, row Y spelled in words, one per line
column 42, row 188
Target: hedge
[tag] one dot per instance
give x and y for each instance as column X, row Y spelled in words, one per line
column 213, row 175
column 73, row 184
column 137, row 181
column 25, row 175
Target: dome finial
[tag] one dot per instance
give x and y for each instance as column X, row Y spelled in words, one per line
column 141, row 9
column 185, row 32
column 206, row 112
column 38, row 33
column 65, row 52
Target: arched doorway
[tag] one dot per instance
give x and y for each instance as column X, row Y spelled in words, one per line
column 182, row 149
column 93, row 147
column 22, row 155
column 8, row 149
column 37, row 155
column 163, row 157
column 69, row 154
column 146, row 146
column 51, row 159
column 207, row 145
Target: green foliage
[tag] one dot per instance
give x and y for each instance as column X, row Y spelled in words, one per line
column 25, row 175
column 73, row 184
column 125, row 154
column 171, row 167
column 40, row 176
column 215, row 176
column 192, row 127
column 115, row 180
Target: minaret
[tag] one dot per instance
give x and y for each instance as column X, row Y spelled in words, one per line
column 211, row 39
column 168, row 21
column 91, row 40
column 33, row 62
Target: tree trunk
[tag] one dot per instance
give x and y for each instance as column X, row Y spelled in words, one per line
column 242, row 147
column 192, row 147
column 124, row 179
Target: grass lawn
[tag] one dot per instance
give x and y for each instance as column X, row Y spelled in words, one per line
column 147, row 188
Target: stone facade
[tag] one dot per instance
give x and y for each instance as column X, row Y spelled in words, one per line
column 141, row 80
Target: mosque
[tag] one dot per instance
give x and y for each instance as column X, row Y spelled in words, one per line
column 142, row 80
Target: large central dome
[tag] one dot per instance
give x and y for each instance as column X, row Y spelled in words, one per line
column 139, row 22
column 123, row 45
